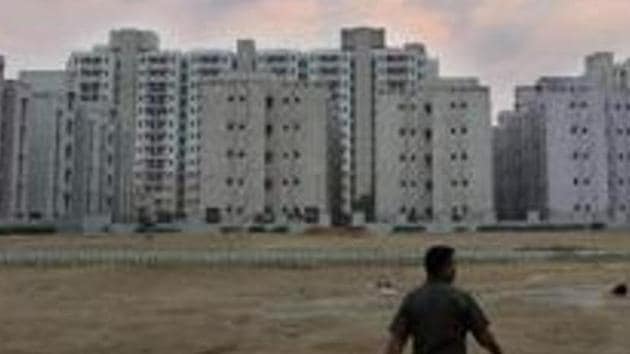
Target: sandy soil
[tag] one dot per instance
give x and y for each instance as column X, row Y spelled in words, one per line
column 608, row 240
column 535, row 308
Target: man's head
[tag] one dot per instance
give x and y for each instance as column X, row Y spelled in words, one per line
column 439, row 263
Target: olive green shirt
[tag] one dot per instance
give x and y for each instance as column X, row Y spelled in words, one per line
column 438, row 316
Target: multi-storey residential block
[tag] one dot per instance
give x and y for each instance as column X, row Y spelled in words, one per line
column 377, row 70
column 576, row 172
column 333, row 70
column 433, row 160
column 108, row 75
column 48, row 99
column 264, row 153
column 15, row 100
column 158, row 150
column 201, row 65
column 160, row 142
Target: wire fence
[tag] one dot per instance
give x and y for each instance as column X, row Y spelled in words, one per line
column 282, row 258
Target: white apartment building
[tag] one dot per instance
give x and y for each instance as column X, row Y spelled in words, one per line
column 201, row 66
column 578, row 174
column 108, row 75
column 159, row 114
column 433, row 159
column 333, row 69
column 264, row 152
column 15, row 135
column 152, row 99
column 48, row 99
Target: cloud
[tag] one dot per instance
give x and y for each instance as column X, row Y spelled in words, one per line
column 504, row 42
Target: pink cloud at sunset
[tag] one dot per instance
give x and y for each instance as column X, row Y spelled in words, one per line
column 505, row 43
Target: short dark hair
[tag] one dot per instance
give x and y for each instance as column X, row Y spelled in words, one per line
column 437, row 258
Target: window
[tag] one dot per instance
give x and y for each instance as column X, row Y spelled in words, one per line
column 428, row 108
column 269, row 102
column 428, row 159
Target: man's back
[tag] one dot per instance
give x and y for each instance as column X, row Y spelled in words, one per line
column 438, row 317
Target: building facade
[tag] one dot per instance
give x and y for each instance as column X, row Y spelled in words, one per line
column 15, row 100
column 433, row 159
column 146, row 125
column 568, row 140
column 48, row 98
column 264, row 152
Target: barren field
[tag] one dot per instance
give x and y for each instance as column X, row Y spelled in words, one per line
column 535, row 307
column 607, row 240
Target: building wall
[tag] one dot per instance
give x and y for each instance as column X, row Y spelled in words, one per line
column 126, row 45
column 434, row 161
column 15, row 137
column 46, row 104
column 201, row 66
column 158, row 151
column 264, row 157
column 578, row 173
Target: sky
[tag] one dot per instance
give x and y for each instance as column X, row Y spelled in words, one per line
column 503, row 42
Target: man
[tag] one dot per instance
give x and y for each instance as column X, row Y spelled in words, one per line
column 439, row 316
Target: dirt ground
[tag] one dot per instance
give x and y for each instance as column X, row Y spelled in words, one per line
column 535, row 308
column 608, row 240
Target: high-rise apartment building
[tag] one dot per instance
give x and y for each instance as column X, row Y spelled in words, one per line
column 108, row 74
column 143, row 107
column 15, row 100
column 264, row 156
column 48, row 98
column 566, row 148
column 433, row 160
